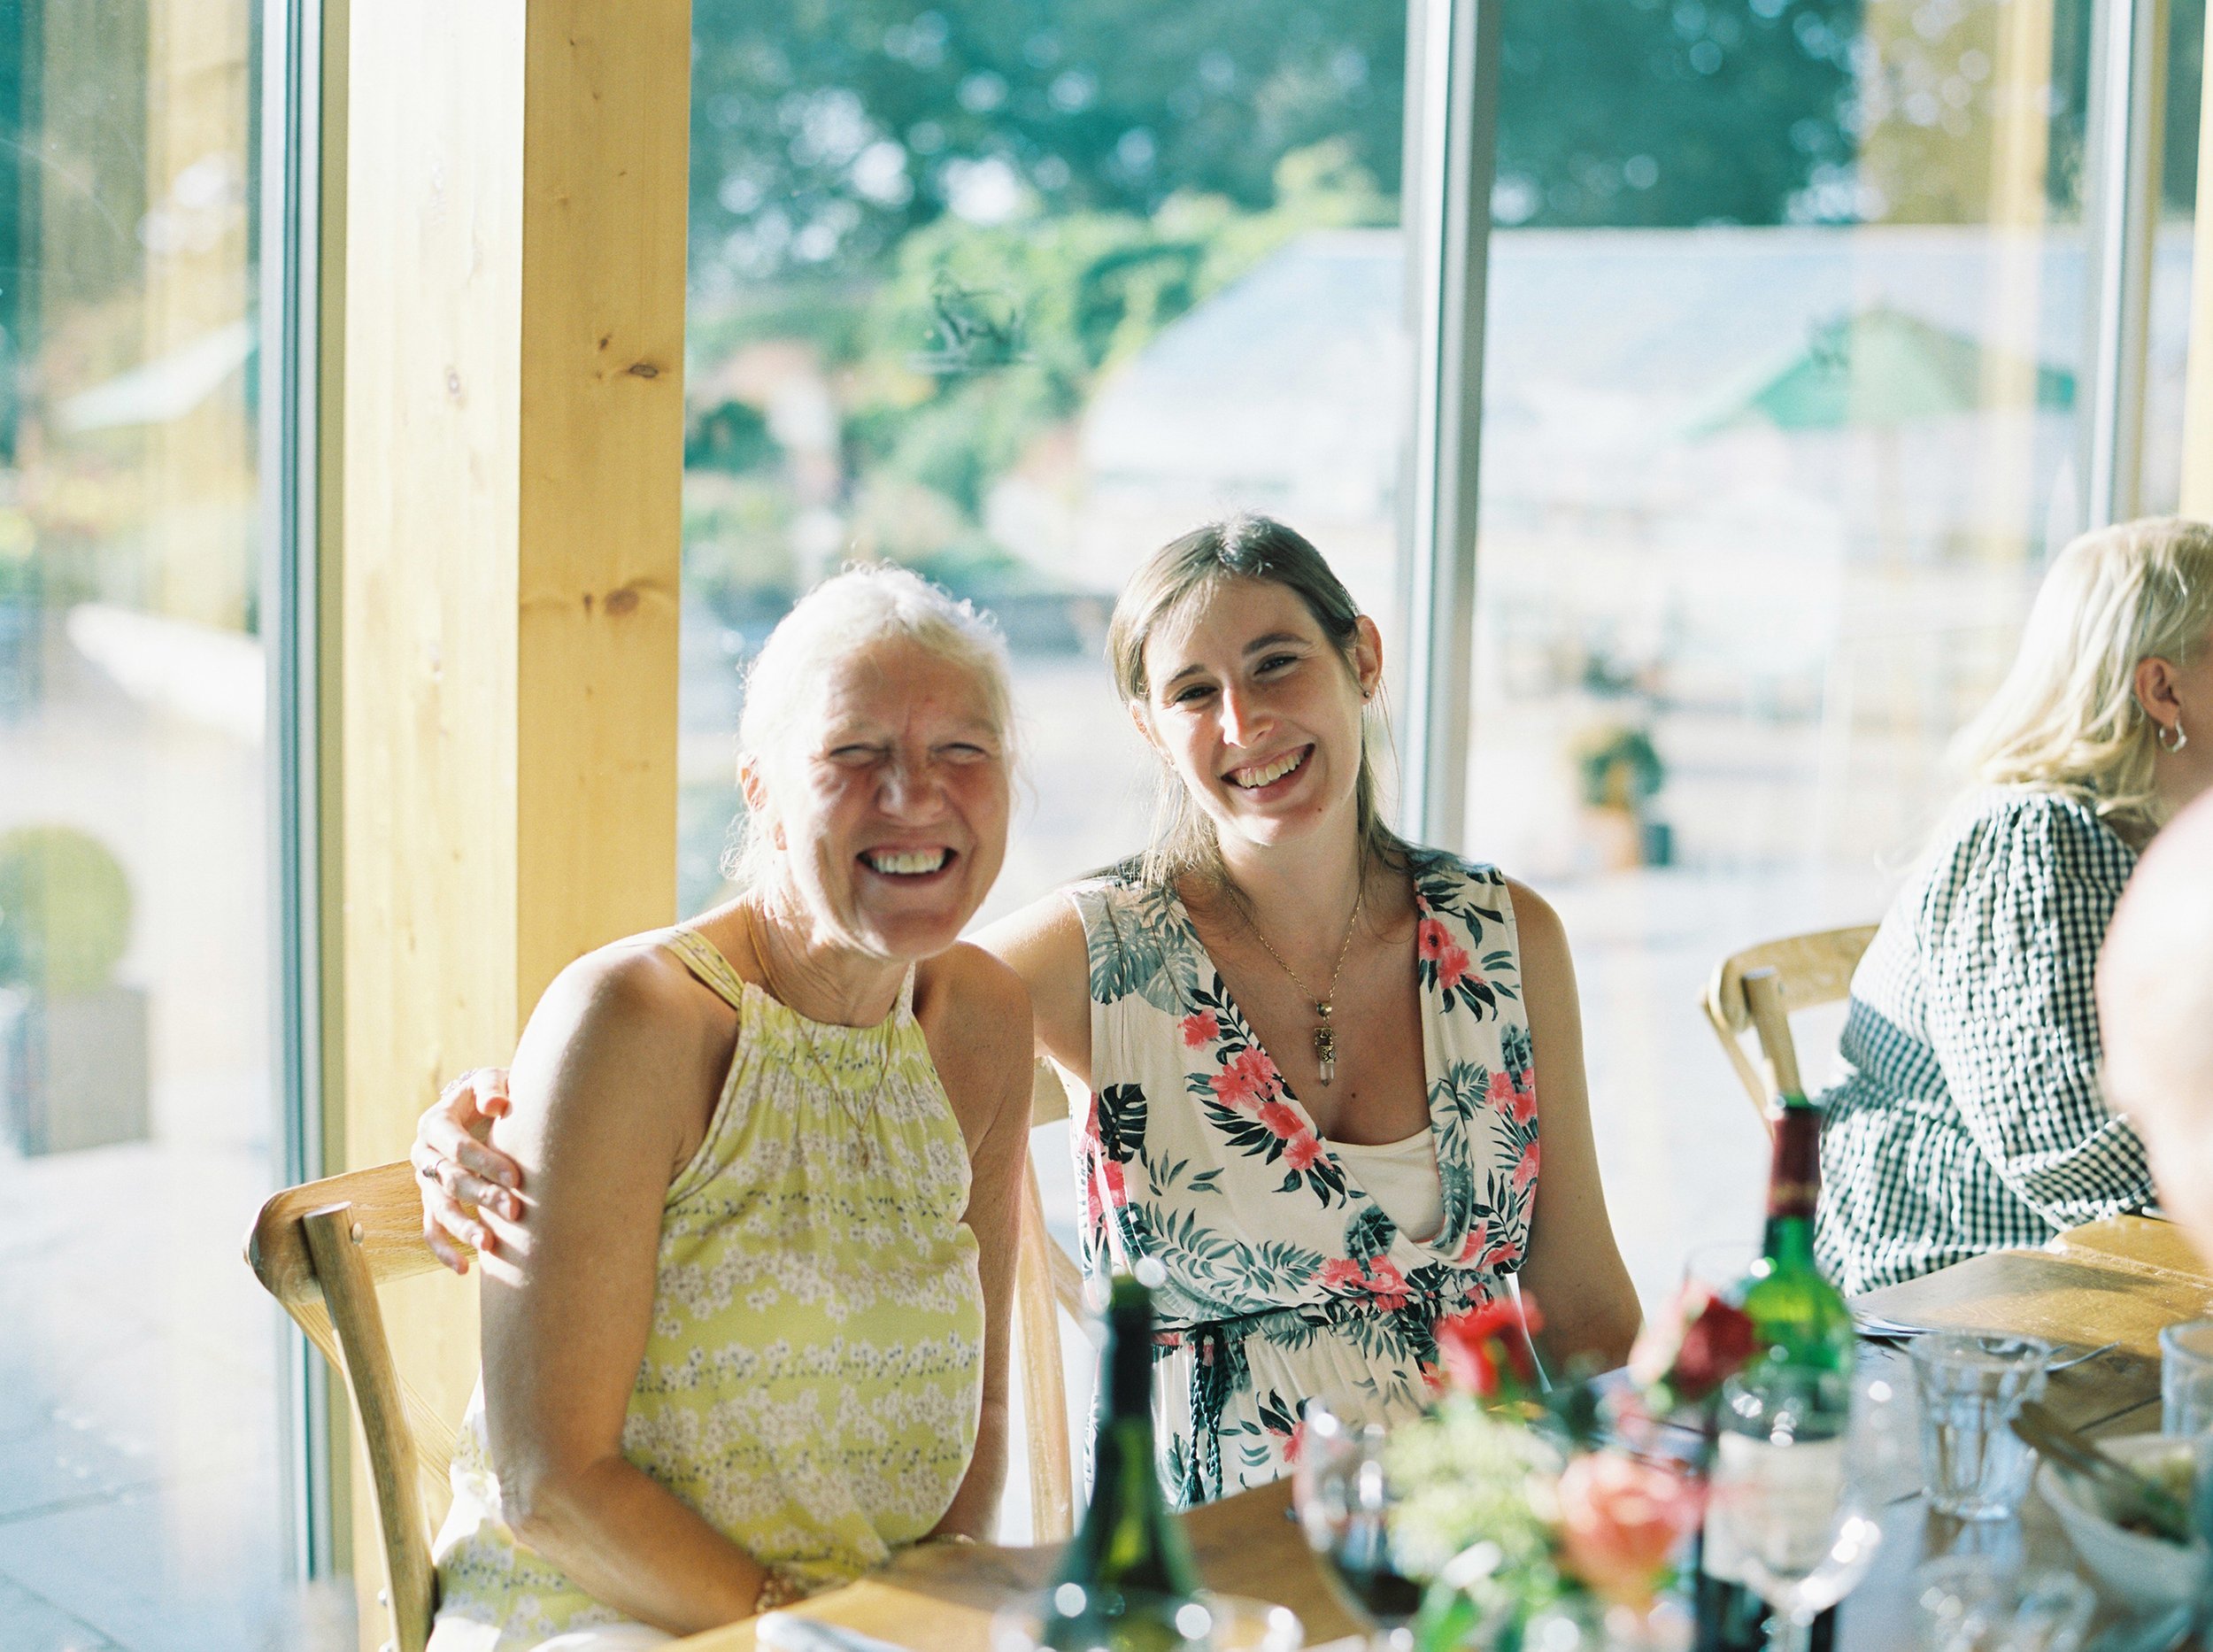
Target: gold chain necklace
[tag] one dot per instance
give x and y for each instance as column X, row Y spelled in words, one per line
column 857, row 1117
column 1324, row 1034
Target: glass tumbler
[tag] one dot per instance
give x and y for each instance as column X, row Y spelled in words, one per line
column 2185, row 1377
column 1970, row 1387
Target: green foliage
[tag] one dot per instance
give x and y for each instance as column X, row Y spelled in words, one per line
column 1630, row 113
column 736, row 541
column 1090, row 290
column 65, row 910
column 1617, row 766
column 822, row 126
column 729, row 437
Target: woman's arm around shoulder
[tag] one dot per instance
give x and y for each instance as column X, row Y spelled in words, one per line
column 612, row 1086
column 1044, row 944
column 975, row 1012
column 1574, row 1269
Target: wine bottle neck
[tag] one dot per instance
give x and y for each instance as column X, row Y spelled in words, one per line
column 1794, row 1177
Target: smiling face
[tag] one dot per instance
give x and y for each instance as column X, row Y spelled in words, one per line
column 888, row 807
column 1258, row 712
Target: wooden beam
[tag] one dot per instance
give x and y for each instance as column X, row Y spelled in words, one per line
column 512, row 452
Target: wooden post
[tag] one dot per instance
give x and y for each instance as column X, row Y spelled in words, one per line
column 512, row 417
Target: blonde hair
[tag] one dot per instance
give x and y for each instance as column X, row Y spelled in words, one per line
column 1172, row 583
column 2066, row 718
column 845, row 616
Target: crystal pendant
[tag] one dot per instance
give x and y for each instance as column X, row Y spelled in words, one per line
column 1325, row 1043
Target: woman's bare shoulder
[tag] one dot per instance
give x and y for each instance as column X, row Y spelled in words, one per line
column 632, row 1006
column 974, row 1013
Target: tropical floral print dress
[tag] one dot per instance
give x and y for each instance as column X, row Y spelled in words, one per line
column 1284, row 1279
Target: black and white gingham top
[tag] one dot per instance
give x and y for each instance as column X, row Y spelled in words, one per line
column 1969, row 1117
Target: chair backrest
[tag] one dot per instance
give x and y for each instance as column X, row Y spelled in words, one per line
column 1047, row 1284
column 323, row 1249
column 1810, row 970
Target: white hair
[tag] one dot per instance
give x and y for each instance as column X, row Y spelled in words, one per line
column 2066, row 718
column 846, row 616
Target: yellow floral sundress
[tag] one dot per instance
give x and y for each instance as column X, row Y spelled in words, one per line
column 814, row 1377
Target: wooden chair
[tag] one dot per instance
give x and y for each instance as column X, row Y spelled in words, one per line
column 1046, row 1285
column 1808, row 970
column 323, row 1249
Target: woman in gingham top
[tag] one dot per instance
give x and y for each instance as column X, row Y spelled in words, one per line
column 1970, row 1116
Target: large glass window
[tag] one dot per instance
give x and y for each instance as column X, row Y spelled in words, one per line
column 141, row 1491
column 1014, row 293
column 1785, row 411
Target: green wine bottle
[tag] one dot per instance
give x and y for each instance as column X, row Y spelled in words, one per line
column 1802, row 1335
column 1128, row 1584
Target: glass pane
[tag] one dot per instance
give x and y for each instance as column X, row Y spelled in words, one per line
column 2168, row 336
column 141, row 1495
column 1780, row 426
column 1012, row 294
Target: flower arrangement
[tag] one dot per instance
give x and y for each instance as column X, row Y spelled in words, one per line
column 1516, row 1504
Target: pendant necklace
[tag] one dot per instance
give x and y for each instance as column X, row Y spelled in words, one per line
column 858, row 1117
column 1324, row 1034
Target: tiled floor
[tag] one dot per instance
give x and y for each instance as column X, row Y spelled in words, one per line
column 140, row 1491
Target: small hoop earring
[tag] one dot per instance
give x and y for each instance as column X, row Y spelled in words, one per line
column 2181, row 739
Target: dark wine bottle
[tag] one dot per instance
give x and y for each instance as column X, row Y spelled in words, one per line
column 1128, row 1583
column 1801, row 1326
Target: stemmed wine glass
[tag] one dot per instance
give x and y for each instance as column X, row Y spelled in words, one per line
column 1345, row 1498
column 1804, row 1463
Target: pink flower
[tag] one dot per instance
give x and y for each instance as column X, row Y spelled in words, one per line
column 1505, row 1253
column 1429, row 939
column 1620, row 1518
column 1295, row 1442
column 1116, row 1193
column 1387, row 1285
column 1280, row 1120
column 1499, row 1092
column 1525, row 1100
column 1201, row 1029
column 1479, row 1236
column 1247, row 1077
column 1302, row 1150
column 1452, row 968
column 1342, row 1273
column 1525, row 1172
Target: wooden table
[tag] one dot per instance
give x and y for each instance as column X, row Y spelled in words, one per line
column 941, row 1599
column 2121, row 1280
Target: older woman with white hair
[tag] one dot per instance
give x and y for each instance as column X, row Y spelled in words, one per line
column 1969, row 1117
column 744, row 1329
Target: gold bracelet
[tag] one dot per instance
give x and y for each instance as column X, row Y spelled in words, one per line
column 782, row 1586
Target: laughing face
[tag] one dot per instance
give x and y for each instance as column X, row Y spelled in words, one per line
column 1258, row 711
column 890, row 807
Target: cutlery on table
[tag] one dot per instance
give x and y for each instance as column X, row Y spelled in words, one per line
column 2129, row 1498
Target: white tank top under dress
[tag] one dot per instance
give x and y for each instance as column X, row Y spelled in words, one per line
column 1285, row 1276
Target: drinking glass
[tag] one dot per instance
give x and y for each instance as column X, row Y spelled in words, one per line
column 1345, row 1499
column 1971, row 1386
column 2185, row 1377
column 1800, row 1470
column 1969, row 1604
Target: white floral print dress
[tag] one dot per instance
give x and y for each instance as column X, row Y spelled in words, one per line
column 1284, row 1279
